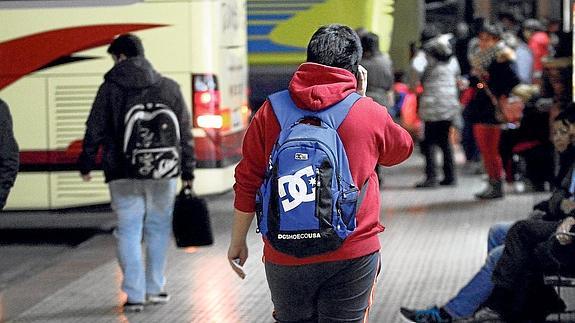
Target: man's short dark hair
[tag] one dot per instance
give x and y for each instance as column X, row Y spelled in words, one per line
column 335, row 45
column 370, row 43
column 127, row 44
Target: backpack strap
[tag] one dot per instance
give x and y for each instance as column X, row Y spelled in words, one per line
column 288, row 113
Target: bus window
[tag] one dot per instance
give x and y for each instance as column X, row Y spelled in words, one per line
column 53, row 61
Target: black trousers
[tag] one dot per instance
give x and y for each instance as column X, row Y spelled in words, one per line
column 528, row 247
column 437, row 134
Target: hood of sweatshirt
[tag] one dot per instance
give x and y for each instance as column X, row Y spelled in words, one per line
column 134, row 72
column 316, row 87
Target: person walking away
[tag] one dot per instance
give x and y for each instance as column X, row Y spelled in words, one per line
column 142, row 123
column 494, row 77
column 438, row 107
column 380, row 82
column 380, row 70
column 333, row 285
column 9, row 158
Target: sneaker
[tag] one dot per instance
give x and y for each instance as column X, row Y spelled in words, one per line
column 161, row 298
column 487, row 315
column 430, row 315
column 130, row 307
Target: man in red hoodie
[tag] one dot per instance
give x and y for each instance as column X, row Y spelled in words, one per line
column 334, row 286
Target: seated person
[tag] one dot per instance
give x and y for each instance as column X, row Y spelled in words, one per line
column 470, row 298
column 534, row 247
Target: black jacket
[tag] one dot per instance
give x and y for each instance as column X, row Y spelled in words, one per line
column 9, row 159
column 560, row 193
column 500, row 80
column 105, row 125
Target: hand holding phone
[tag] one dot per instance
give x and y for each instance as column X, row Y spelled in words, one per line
column 238, row 268
column 361, row 80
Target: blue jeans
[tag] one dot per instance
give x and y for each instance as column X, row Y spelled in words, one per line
column 478, row 289
column 144, row 210
column 497, row 234
column 337, row 291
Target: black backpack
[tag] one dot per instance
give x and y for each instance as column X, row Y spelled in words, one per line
column 151, row 143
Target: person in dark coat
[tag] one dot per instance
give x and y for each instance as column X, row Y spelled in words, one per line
column 142, row 123
column 9, row 159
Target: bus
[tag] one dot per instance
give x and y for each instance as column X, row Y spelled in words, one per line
column 279, row 30
column 52, row 61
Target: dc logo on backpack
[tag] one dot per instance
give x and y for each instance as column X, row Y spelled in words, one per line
column 151, row 141
column 298, row 190
column 307, row 203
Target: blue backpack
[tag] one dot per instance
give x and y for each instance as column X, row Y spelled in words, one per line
column 307, row 203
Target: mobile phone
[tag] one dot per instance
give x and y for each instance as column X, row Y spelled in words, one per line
column 239, row 268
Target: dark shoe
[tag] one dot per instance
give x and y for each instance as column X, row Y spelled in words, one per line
column 161, row 298
column 430, row 315
column 130, row 307
column 428, row 183
column 494, row 190
column 448, row 182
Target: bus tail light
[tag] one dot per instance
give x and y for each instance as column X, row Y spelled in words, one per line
column 206, row 102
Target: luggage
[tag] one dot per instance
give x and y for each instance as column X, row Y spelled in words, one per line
column 191, row 220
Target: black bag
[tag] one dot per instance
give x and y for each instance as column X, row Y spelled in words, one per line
column 191, row 221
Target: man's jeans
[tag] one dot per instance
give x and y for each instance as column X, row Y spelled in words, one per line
column 144, row 210
column 478, row 289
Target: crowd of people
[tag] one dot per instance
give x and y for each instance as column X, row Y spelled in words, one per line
column 498, row 86
column 506, row 93
column 511, row 82
column 505, row 87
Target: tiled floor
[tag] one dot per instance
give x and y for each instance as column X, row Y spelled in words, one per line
column 433, row 242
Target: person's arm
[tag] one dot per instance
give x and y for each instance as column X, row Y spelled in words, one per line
column 249, row 175
column 186, row 141
column 417, row 66
column 238, row 249
column 388, row 76
column 557, row 204
column 9, row 159
column 9, row 154
column 96, row 127
column 396, row 145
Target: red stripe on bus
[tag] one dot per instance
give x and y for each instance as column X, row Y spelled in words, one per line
column 24, row 55
column 213, row 148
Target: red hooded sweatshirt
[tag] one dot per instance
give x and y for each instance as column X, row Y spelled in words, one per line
column 369, row 136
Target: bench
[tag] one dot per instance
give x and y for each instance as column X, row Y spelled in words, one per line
column 560, row 282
